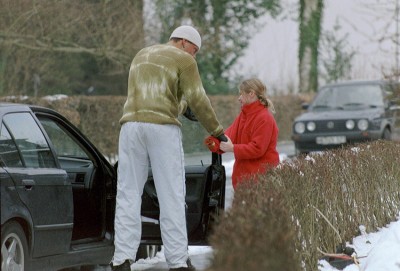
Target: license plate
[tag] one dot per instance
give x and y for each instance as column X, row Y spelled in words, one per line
column 330, row 140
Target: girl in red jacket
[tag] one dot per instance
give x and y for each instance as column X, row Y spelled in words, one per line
column 253, row 135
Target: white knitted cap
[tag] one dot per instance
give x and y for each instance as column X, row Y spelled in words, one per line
column 188, row 33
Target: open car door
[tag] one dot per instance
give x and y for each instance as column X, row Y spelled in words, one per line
column 205, row 197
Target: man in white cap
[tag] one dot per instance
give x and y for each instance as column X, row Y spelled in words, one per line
column 164, row 81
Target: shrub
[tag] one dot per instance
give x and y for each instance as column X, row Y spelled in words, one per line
column 323, row 197
column 256, row 234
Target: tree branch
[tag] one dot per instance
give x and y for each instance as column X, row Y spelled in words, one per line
column 51, row 45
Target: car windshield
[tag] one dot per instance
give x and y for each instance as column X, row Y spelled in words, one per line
column 348, row 97
column 193, row 135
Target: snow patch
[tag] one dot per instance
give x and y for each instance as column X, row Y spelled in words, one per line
column 56, row 97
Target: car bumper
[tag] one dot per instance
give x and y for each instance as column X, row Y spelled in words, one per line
column 308, row 142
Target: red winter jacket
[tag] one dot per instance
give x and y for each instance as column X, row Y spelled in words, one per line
column 254, row 134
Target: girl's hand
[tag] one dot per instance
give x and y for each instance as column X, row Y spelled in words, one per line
column 226, row 146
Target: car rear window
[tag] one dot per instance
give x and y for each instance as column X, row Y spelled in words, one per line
column 29, row 140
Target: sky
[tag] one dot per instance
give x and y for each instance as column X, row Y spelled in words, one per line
column 272, row 52
column 378, row 251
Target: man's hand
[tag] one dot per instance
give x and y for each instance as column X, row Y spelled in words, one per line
column 212, row 144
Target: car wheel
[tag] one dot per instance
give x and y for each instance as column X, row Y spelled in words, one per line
column 14, row 248
column 387, row 135
column 297, row 152
column 147, row 251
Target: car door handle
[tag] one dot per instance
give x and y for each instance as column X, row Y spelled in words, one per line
column 28, row 183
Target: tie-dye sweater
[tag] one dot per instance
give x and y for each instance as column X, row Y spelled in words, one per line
column 160, row 77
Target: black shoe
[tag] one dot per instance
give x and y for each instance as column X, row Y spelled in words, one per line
column 189, row 268
column 126, row 266
column 184, row 269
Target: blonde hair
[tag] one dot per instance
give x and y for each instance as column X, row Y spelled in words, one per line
column 254, row 84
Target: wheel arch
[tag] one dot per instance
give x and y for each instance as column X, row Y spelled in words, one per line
column 386, row 128
column 26, row 227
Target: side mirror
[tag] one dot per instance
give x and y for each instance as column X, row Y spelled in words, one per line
column 305, row 106
column 394, row 107
column 394, row 104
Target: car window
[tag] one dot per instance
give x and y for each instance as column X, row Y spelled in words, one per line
column 30, row 141
column 64, row 144
column 193, row 135
column 342, row 97
column 8, row 150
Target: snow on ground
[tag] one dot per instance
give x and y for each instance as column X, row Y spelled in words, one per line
column 377, row 251
column 144, row 264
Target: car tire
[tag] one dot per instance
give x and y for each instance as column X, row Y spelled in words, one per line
column 297, row 152
column 387, row 135
column 147, row 251
column 14, row 248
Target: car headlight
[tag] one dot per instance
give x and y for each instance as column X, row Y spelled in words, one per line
column 362, row 124
column 311, row 126
column 299, row 127
column 350, row 124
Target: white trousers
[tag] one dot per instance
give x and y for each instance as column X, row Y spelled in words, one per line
column 162, row 145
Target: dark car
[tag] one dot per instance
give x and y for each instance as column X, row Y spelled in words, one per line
column 58, row 195
column 348, row 113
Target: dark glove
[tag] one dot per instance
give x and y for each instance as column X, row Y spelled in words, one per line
column 223, row 138
column 189, row 114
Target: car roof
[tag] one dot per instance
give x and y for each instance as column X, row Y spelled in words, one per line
column 8, row 107
column 360, row 82
column 10, row 104
column 5, row 106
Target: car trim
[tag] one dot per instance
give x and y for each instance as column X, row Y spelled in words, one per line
column 54, row 226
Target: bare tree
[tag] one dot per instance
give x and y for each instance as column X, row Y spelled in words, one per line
column 388, row 32
column 335, row 55
column 36, row 35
